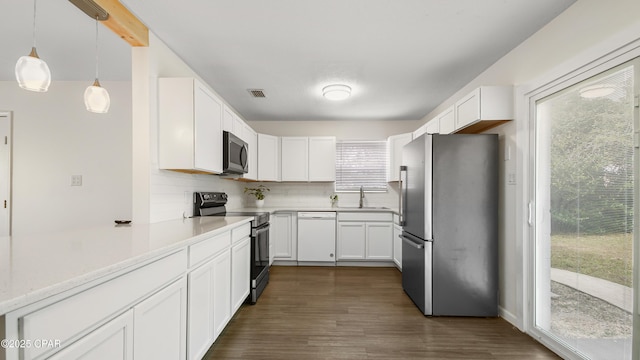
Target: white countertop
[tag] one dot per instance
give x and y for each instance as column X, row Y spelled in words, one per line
column 38, row 266
column 294, row 208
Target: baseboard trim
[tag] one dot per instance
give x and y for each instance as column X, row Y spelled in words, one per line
column 509, row 317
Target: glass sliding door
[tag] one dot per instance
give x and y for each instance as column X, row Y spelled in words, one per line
column 585, row 200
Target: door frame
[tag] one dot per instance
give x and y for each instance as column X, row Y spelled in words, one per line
column 525, row 101
column 6, row 117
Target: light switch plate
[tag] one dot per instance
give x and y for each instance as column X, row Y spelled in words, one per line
column 507, row 152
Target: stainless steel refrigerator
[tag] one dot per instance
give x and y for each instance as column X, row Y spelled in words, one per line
column 449, row 210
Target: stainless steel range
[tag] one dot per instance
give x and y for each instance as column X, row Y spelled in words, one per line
column 213, row 204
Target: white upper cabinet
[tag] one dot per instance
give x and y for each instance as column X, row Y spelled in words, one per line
column 233, row 123
column 295, row 158
column 190, row 126
column 268, row 158
column 433, row 126
column 419, row 131
column 308, row 158
column 484, row 108
column 251, row 138
column 395, row 144
column 447, row 121
column 322, row 158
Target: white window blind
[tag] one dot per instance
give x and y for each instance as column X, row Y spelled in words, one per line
column 361, row 163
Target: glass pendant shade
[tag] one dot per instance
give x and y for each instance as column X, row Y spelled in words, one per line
column 96, row 98
column 33, row 73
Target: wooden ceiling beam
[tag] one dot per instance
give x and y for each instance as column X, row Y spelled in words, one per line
column 122, row 22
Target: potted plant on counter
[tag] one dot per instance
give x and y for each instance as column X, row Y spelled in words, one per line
column 334, row 200
column 258, row 192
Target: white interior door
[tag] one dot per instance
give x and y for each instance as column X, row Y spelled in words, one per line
column 5, row 173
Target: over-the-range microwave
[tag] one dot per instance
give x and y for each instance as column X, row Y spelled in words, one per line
column 234, row 154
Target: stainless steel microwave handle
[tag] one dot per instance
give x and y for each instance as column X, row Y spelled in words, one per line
column 243, row 157
column 411, row 242
column 403, row 194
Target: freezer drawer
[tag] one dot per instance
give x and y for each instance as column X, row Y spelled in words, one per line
column 417, row 271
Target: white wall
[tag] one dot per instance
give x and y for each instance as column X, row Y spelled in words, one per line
column 342, row 129
column 54, row 137
column 160, row 194
column 586, row 31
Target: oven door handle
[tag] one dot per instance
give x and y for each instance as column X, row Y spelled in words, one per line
column 260, row 230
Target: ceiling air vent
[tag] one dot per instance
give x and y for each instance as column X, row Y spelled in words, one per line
column 257, row 93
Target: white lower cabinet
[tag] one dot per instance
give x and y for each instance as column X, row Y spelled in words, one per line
column 221, row 292
column 272, row 245
column 160, row 324
column 351, row 240
column 240, row 273
column 397, row 246
column 284, row 231
column 172, row 307
column 209, row 304
column 365, row 236
column 201, row 310
column 113, row 340
column 379, row 244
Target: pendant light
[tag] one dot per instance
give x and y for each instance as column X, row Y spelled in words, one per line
column 32, row 73
column 96, row 98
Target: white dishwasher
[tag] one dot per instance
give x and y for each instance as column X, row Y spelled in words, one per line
column 317, row 236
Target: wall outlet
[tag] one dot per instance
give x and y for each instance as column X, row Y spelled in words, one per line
column 511, row 178
column 76, row 180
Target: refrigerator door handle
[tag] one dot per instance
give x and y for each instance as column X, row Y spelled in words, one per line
column 411, row 242
column 403, row 193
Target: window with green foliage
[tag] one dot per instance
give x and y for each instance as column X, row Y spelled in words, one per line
column 361, row 163
column 585, row 174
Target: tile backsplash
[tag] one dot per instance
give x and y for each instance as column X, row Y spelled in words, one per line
column 172, row 194
column 305, row 195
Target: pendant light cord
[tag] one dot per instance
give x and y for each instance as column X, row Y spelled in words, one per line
column 96, row 47
column 34, row 23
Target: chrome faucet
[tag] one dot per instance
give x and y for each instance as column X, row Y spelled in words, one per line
column 361, row 196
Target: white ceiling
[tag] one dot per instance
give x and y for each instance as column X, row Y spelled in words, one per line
column 402, row 58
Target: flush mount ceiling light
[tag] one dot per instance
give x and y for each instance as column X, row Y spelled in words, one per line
column 596, row 91
column 96, row 98
column 336, row 92
column 32, row 73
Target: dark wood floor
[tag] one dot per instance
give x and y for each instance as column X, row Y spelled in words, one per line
column 359, row 313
